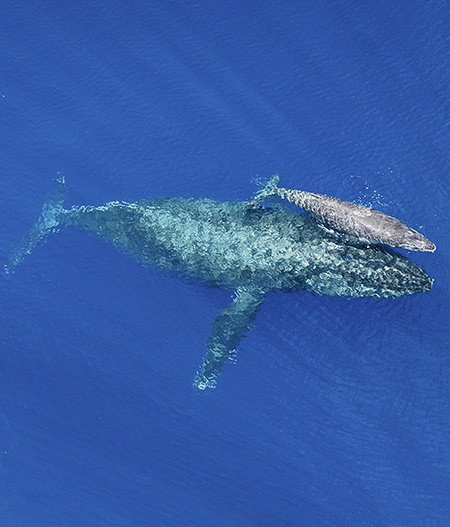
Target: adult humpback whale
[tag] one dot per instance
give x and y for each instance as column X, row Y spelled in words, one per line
column 250, row 247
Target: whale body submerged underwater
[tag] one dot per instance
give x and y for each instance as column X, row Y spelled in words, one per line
column 250, row 247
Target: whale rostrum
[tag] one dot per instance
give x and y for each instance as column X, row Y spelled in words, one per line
column 250, row 247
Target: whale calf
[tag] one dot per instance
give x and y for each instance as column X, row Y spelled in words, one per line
column 352, row 222
column 250, row 247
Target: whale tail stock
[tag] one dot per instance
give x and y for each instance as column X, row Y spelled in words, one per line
column 47, row 222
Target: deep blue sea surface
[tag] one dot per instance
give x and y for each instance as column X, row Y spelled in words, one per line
column 336, row 412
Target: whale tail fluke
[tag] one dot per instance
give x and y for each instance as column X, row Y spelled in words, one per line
column 47, row 222
column 270, row 189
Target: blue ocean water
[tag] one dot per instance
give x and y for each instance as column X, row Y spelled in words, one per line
column 337, row 412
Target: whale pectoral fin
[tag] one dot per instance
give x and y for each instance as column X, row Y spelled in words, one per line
column 227, row 331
